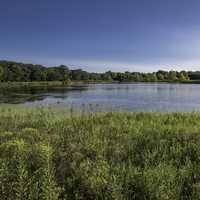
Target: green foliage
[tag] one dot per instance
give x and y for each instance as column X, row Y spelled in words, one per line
column 49, row 155
column 1, row 73
column 12, row 71
column 50, row 191
column 172, row 76
column 160, row 75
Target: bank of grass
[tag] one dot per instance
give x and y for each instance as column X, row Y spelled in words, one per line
column 35, row 84
column 13, row 85
column 48, row 154
column 191, row 82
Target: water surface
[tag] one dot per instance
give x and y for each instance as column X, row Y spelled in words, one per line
column 161, row 97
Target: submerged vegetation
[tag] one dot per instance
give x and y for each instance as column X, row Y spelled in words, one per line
column 46, row 154
column 20, row 72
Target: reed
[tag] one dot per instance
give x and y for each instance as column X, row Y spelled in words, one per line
column 49, row 154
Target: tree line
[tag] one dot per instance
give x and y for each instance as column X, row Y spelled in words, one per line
column 13, row 71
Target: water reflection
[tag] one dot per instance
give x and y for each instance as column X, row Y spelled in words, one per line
column 115, row 97
column 34, row 94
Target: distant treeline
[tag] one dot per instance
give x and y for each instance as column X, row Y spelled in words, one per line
column 13, row 71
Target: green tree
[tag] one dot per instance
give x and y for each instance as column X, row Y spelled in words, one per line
column 107, row 76
column 184, row 76
column 172, row 75
column 160, row 76
column 1, row 73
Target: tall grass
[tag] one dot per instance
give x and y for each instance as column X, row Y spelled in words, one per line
column 46, row 154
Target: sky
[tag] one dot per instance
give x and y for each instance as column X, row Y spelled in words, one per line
column 102, row 35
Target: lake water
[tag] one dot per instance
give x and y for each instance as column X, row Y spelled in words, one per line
column 161, row 97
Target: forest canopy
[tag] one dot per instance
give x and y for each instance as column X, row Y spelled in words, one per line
column 13, row 71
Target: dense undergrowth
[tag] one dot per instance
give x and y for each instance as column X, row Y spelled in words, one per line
column 45, row 154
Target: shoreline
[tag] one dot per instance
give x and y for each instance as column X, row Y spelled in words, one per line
column 11, row 85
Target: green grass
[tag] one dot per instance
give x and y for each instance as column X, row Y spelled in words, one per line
column 191, row 81
column 48, row 154
column 13, row 85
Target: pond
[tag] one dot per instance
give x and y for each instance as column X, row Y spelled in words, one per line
column 162, row 97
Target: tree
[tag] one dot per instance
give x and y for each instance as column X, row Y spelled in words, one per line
column 160, row 76
column 13, row 71
column 1, row 73
column 38, row 75
column 183, row 76
column 172, row 75
column 107, row 76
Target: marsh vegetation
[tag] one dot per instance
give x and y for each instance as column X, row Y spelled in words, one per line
column 47, row 154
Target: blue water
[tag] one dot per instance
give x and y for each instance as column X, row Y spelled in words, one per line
column 161, row 97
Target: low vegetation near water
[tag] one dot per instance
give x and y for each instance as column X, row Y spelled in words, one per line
column 46, row 154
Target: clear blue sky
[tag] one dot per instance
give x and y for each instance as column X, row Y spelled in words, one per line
column 134, row 35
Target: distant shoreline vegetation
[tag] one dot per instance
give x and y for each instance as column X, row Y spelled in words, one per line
column 19, row 72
